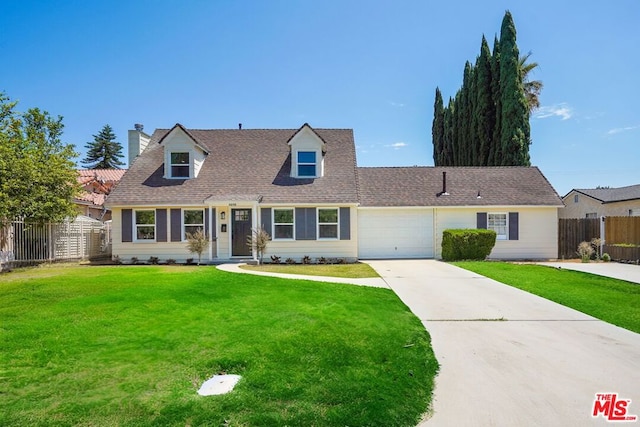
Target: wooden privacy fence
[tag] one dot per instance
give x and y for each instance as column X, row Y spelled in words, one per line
column 617, row 230
column 572, row 231
column 622, row 229
column 25, row 243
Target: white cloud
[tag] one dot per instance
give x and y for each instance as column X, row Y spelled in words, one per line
column 396, row 104
column 562, row 110
column 397, row 145
column 625, row 129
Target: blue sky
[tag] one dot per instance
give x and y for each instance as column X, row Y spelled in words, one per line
column 371, row 66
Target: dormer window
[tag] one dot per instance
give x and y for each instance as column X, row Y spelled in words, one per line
column 307, row 165
column 180, row 165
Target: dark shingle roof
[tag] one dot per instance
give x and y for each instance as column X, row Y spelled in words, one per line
column 247, row 164
column 420, row 186
column 610, row 195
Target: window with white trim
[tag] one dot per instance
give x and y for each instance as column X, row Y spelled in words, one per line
column 498, row 223
column 328, row 223
column 180, row 165
column 145, row 225
column 592, row 215
column 576, row 198
column 192, row 221
column 307, row 164
column 283, row 224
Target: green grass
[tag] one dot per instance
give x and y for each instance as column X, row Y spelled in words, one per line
column 354, row 271
column 614, row 301
column 130, row 346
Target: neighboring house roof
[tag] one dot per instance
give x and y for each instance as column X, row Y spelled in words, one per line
column 102, row 174
column 96, row 184
column 246, row 164
column 610, row 195
column 422, row 186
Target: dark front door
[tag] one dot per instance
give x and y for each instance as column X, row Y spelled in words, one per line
column 240, row 230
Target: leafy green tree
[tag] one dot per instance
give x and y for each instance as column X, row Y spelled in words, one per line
column 515, row 131
column 104, row 152
column 38, row 179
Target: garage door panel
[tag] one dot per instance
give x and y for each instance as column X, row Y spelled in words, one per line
column 395, row 233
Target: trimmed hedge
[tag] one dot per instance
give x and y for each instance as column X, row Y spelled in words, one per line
column 467, row 244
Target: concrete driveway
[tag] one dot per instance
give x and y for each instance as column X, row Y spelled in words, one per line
column 510, row 358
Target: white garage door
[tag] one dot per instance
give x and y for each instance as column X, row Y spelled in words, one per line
column 395, row 233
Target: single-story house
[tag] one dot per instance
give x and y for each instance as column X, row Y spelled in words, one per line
column 304, row 188
column 599, row 202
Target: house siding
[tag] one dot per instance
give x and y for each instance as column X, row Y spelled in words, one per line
column 164, row 250
column 296, row 249
column 537, row 231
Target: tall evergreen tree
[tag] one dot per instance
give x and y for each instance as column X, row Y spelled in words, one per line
column 466, row 113
column 104, row 152
column 495, row 152
column 447, row 156
column 437, row 129
column 515, row 130
column 487, row 122
column 484, row 111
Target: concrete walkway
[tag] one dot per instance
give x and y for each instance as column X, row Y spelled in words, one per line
column 370, row 281
column 628, row 272
column 510, row 358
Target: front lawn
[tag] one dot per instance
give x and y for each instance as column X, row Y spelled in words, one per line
column 614, row 301
column 354, row 271
column 130, row 346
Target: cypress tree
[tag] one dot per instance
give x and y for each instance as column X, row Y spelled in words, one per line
column 447, row 155
column 456, row 135
column 484, row 109
column 466, row 114
column 437, row 129
column 104, row 152
column 495, row 153
column 515, row 131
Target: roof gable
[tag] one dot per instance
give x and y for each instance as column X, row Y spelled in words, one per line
column 181, row 134
column 306, row 136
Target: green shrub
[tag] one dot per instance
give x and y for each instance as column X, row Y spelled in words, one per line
column 606, row 257
column 467, row 244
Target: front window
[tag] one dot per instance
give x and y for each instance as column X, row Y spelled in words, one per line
column 145, row 225
column 283, row 223
column 328, row 223
column 307, row 163
column 179, row 165
column 192, row 220
column 498, row 223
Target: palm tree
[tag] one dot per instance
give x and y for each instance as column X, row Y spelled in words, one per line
column 532, row 88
